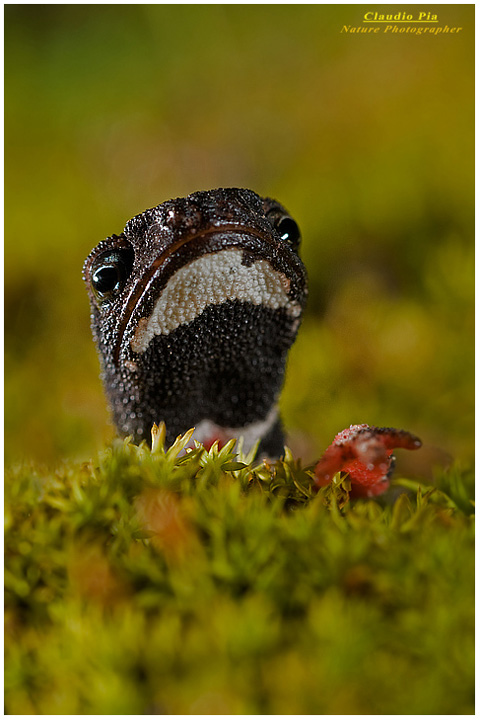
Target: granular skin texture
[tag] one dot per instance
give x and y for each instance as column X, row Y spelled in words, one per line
column 226, row 365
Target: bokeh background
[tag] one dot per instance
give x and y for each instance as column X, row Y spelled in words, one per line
column 367, row 139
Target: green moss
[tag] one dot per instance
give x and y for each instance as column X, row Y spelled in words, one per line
column 156, row 582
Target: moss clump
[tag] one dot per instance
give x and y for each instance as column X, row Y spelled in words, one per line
column 156, row 582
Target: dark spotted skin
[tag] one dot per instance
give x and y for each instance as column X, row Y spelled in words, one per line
column 228, row 364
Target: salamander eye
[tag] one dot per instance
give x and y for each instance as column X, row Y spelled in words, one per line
column 110, row 272
column 287, row 228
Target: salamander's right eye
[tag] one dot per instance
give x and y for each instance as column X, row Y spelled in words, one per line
column 110, row 272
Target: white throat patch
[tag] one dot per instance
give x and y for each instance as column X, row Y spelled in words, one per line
column 207, row 431
column 212, row 280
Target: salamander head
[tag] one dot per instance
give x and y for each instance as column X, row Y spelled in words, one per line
column 194, row 307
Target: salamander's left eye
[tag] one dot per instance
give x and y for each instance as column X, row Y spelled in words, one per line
column 110, row 272
column 287, row 228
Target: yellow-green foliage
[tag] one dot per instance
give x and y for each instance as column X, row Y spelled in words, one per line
column 156, row 582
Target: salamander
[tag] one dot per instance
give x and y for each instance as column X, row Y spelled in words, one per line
column 194, row 307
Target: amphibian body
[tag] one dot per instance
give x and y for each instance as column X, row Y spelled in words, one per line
column 194, row 307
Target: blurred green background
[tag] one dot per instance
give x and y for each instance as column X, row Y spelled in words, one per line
column 368, row 140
